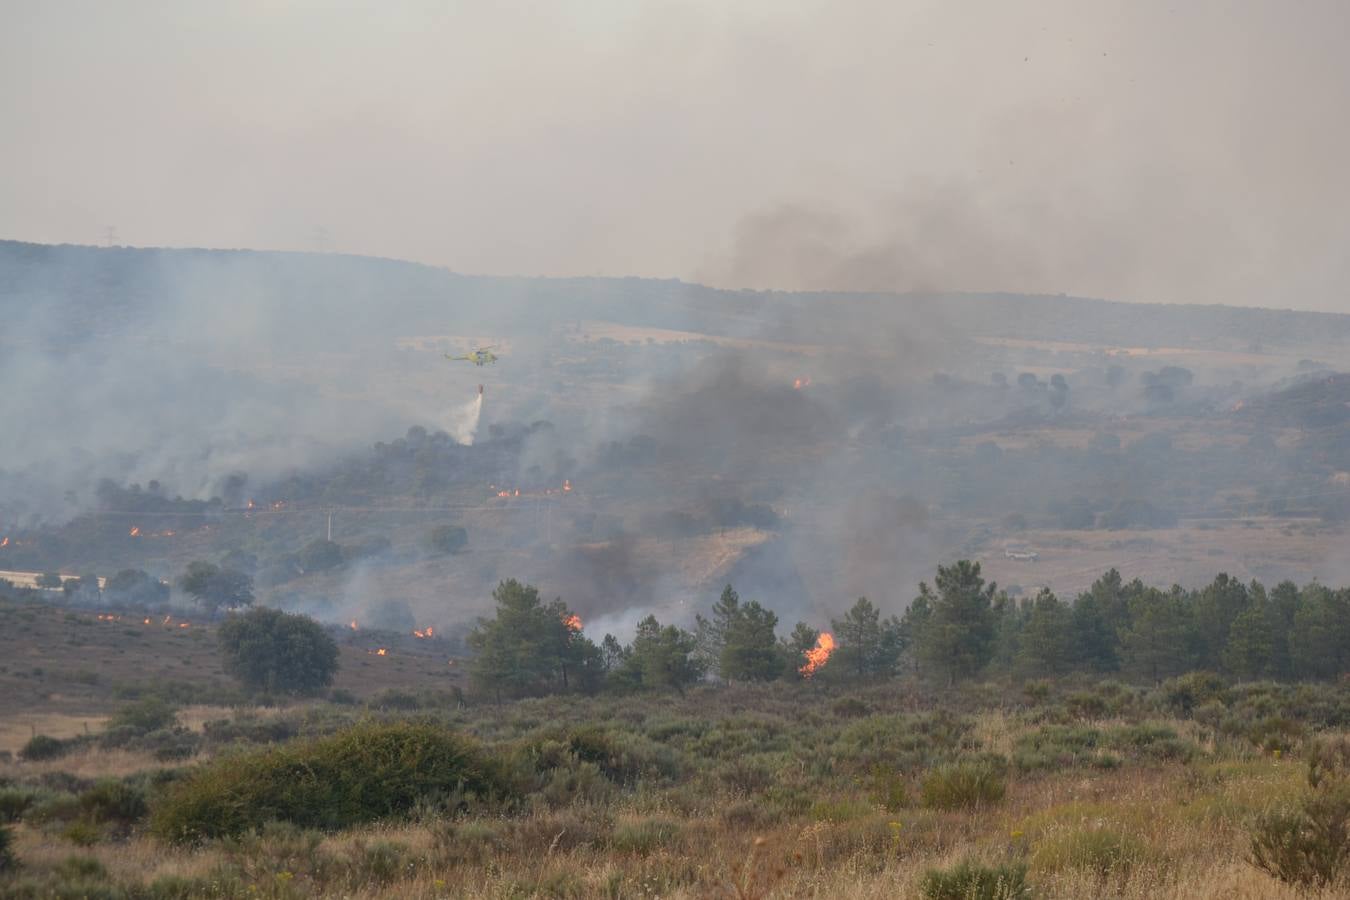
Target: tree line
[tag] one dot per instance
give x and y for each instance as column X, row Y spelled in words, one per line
column 960, row 627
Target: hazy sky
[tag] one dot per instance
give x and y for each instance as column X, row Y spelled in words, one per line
column 1183, row 151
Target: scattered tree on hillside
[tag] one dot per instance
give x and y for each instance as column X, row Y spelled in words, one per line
column 447, row 539
column 215, row 588
column 529, row 647
column 320, row 556
column 135, row 587
column 269, row 650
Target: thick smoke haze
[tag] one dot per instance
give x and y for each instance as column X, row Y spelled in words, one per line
column 1154, row 151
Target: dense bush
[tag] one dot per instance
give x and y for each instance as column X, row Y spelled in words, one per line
column 41, row 747
column 964, row 785
column 7, row 860
column 148, row 714
column 1308, row 844
column 278, row 652
column 447, row 539
column 114, row 802
column 367, row 772
column 971, row 881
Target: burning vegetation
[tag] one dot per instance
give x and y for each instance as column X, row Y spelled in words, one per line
column 818, row 655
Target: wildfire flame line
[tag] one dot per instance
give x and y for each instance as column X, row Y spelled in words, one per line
column 818, row 655
column 572, row 622
column 427, row 633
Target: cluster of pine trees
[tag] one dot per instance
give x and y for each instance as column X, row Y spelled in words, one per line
column 960, row 627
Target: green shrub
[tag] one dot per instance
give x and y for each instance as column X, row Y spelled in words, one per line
column 380, row 863
column 14, row 802
column 7, row 860
column 963, row 786
column 1054, row 747
column 1183, row 694
column 42, row 747
column 81, row 868
column 971, row 881
column 1275, row 733
column 114, row 802
column 364, row 773
column 643, row 837
column 82, row 833
column 850, row 708
column 1308, row 845
column 1154, row 742
column 149, row 714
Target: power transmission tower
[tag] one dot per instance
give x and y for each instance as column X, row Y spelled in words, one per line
column 110, row 236
column 323, row 241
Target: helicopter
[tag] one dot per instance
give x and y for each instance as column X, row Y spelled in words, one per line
column 480, row 357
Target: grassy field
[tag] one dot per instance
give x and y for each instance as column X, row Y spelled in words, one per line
column 814, row 789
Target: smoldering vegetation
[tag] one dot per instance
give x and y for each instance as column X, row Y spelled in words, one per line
column 641, row 442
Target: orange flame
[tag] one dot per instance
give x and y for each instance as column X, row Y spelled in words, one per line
column 353, row 625
column 567, row 486
column 183, row 625
column 4, row 542
column 146, row 622
column 381, row 652
column 252, row 505
column 572, row 622
column 280, row 504
column 135, row 531
column 800, row 383
column 818, row 655
column 108, row 617
column 167, row 619
column 429, row 632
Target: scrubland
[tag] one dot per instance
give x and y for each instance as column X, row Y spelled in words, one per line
column 1047, row 789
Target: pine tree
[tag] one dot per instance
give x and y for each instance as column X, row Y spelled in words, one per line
column 795, row 646
column 527, row 648
column 866, row 646
column 750, row 647
column 1156, row 644
column 663, row 657
column 1047, row 641
column 711, row 632
column 1250, row 651
column 958, row 639
column 1320, row 638
column 909, row 633
column 1215, row 608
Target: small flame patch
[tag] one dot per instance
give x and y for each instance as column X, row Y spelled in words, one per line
column 818, row 655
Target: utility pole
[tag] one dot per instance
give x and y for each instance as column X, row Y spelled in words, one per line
column 110, row 236
column 322, row 240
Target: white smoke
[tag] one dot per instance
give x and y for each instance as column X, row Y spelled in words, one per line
column 462, row 423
